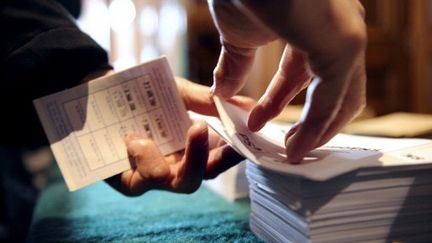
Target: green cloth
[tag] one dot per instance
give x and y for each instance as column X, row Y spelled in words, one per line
column 98, row 213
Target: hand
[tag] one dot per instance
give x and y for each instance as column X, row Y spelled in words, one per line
column 325, row 39
column 205, row 154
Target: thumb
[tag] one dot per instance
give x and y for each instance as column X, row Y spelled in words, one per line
column 233, row 65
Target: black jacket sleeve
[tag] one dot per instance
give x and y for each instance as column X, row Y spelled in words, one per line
column 41, row 51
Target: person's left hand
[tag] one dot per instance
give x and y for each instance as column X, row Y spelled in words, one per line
column 205, row 154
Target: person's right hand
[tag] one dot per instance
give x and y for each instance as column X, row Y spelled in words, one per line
column 325, row 39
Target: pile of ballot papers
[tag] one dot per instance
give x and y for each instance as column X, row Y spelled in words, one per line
column 380, row 204
column 353, row 189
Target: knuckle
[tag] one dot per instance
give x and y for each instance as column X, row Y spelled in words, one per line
column 139, row 148
column 346, row 47
column 238, row 50
column 139, row 156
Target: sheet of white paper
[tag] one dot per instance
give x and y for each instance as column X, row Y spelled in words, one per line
column 86, row 125
column 342, row 154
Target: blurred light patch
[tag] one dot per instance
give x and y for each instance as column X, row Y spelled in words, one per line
column 149, row 21
column 172, row 23
column 121, row 14
column 148, row 52
column 123, row 62
column 94, row 20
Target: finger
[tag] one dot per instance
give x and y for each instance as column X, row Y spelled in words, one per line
column 221, row 159
column 331, row 57
column 129, row 138
column 121, row 182
column 324, row 98
column 214, row 139
column 294, row 128
column 191, row 170
column 197, row 98
column 240, row 35
column 323, row 101
column 244, row 102
column 353, row 103
column 152, row 171
column 233, row 65
column 221, row 142
column 292, row 76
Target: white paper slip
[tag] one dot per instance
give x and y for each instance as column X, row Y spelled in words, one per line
column 342, row 154
column 86, row 125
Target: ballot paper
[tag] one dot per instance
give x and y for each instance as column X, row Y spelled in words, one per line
column 342, row 154
column 86, row 125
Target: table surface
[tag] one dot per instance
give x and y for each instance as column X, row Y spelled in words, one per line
column 98, row 213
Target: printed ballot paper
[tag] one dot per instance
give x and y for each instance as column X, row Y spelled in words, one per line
column 342, row 154
column 86, row 125
column 352, row 189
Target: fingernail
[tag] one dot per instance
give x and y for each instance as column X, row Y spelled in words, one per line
column 292, row 158
column 256, row 125
column 255, row 121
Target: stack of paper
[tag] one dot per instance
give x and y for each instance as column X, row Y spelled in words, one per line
column 366, row 205
column 352, row 189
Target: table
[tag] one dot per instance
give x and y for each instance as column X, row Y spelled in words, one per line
column 98, row 213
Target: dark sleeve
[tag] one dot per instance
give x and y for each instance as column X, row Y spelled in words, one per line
column 41, row 51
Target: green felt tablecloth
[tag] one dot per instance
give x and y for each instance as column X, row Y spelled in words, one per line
column 98, row 213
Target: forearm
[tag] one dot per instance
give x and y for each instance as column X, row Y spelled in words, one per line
column 41, row 51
